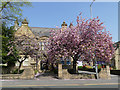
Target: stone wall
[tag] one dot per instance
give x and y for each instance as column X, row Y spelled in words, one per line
column 5, row 69
column 27, row 74
column 64, row 74
column 67, row 75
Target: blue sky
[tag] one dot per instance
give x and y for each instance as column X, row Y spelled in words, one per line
column 52, row 14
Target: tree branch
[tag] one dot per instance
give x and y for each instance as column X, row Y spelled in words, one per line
column 4, row 6
column 8, row 18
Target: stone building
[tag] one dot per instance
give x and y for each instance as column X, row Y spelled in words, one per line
column 117, row 55
column 42, row 34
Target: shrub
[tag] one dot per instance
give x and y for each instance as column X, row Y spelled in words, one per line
column 80, row 67
column 99, row 66
column 89, row 67
column 16, row 71
column 36, row 71
column 85, row 67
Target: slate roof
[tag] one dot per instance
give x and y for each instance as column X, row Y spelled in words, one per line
column 40, row 31
column 116, row 45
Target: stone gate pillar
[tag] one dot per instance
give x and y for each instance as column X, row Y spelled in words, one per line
column 39, row 66
column 108, row 72
column 59, row 70
column 105, row 73
column 28, row 73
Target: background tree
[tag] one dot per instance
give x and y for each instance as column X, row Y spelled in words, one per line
column 7, row 35
column 10, row 11
column 27, row 46
column 88, row 40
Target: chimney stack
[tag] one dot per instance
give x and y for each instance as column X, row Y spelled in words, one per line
column 64, row 26
column 25, row 22
column 70, row 26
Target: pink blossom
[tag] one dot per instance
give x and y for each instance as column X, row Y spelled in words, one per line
column 84, row 39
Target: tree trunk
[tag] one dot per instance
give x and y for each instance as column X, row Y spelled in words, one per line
column 52, row 66
column 47, row 65
column 25, row 57
column 75, row 58
column 74, row 66
column 19, row 67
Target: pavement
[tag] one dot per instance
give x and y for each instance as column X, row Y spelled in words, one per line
column 51, row 82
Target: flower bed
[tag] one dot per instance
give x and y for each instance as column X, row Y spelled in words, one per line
column 89, row 68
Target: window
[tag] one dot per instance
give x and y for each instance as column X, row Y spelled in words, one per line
column 42, row 45
column 62, row 60
column 68, row 61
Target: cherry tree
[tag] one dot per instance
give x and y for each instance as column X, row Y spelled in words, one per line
column 88, row 40
column 26, row 46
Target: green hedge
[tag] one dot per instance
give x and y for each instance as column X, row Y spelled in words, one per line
column 99, row 66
